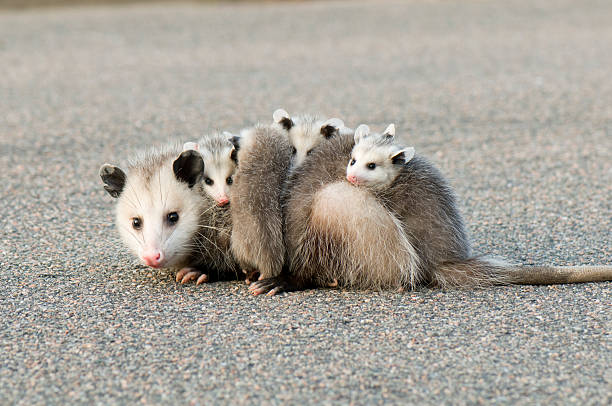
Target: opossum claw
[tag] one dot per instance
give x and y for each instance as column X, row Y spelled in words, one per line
column 189, row 274
column 202, row 279
column 184, row 271
column 270, row 286
column 193, row 275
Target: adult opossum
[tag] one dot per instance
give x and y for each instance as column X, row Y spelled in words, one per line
column 167, row 219
column 404, row 235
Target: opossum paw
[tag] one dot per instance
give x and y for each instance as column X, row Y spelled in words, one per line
column 333, row 284
column 269, row 286
column 189, row 274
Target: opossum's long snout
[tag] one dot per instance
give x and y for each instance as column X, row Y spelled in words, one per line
column 153, row 258
column 223, row 201
column 352, row 179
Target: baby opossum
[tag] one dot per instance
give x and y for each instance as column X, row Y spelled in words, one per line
column 305, row 132
column 256, row 197
column 219, row 157
column 376, row 159
column 166, row 219
column 406, row 234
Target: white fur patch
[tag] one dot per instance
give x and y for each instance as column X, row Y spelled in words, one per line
column 390, row 130
column 279, row 115
column 360, row 132
column 151, row 201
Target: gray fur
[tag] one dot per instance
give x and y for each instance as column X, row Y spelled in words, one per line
column 321, row 253
column 256, row 197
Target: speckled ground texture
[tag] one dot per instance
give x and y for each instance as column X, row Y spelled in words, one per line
column 512, row 100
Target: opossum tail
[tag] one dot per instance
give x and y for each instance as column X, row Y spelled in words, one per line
column 550, row 275
column 483, row 271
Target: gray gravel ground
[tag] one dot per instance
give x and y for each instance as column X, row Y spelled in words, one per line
column 513, row 100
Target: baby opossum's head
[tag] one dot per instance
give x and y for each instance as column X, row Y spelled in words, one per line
column 219, row 156
column 376, row 159
column 159, row 203
column 306, row 132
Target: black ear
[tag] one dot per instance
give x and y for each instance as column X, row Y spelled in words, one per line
column 189, row 167
column 329, row 131
column 286, row 122
column 113, row 178
column 331, row 127
column 235, row 140
column 281, row 117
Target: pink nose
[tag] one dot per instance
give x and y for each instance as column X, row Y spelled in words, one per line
column 153, row 258
column 352, row 178
column 222, row 201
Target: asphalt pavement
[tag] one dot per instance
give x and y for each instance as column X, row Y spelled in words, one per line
column 511, row 99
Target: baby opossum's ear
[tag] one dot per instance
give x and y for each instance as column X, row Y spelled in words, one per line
column 331, row 127
column 113, row 178
column 234, row 139
column 361, row 132
column 281, row 117
column 191, row 145
column 403, row 156
column 189, row 167
column 390, row 131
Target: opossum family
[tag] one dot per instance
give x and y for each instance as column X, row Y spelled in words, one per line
column 306, row 202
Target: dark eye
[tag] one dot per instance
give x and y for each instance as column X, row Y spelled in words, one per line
column 208, row 181
column 136, row 223
column 309, row 152
column 371, row 165
column 293, row 151
column 173, row 217
column 353, row 161
column 229, row 180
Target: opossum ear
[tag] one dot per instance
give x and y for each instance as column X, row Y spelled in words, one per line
column 191, row 145
column 403, row 156
column 390, row 131
column 331, row 127
column 113, row 178
column 361, row 131
column 189, row 167
column 234, row 139
column 281, row 117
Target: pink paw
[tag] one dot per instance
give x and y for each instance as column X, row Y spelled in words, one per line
column 189, row 274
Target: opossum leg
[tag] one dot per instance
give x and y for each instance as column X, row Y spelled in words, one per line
column 271, row 286
column 189, row 274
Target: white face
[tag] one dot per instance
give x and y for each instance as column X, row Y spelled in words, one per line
column 304, row 140
column 218, row 175
column 374, row 164
column 371, row 166
column 306, row 132
column 159, row 219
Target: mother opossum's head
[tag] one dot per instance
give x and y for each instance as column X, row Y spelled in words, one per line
column 159, row 204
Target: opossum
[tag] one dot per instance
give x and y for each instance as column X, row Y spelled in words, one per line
column 305, row 132
column 376, row 159
column 406, row 235
column 219, row 156
column 264, row 156
column 165, row 217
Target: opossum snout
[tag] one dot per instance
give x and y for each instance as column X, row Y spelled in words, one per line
column 153, row 258
column 352, row 179
column 222, row 202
